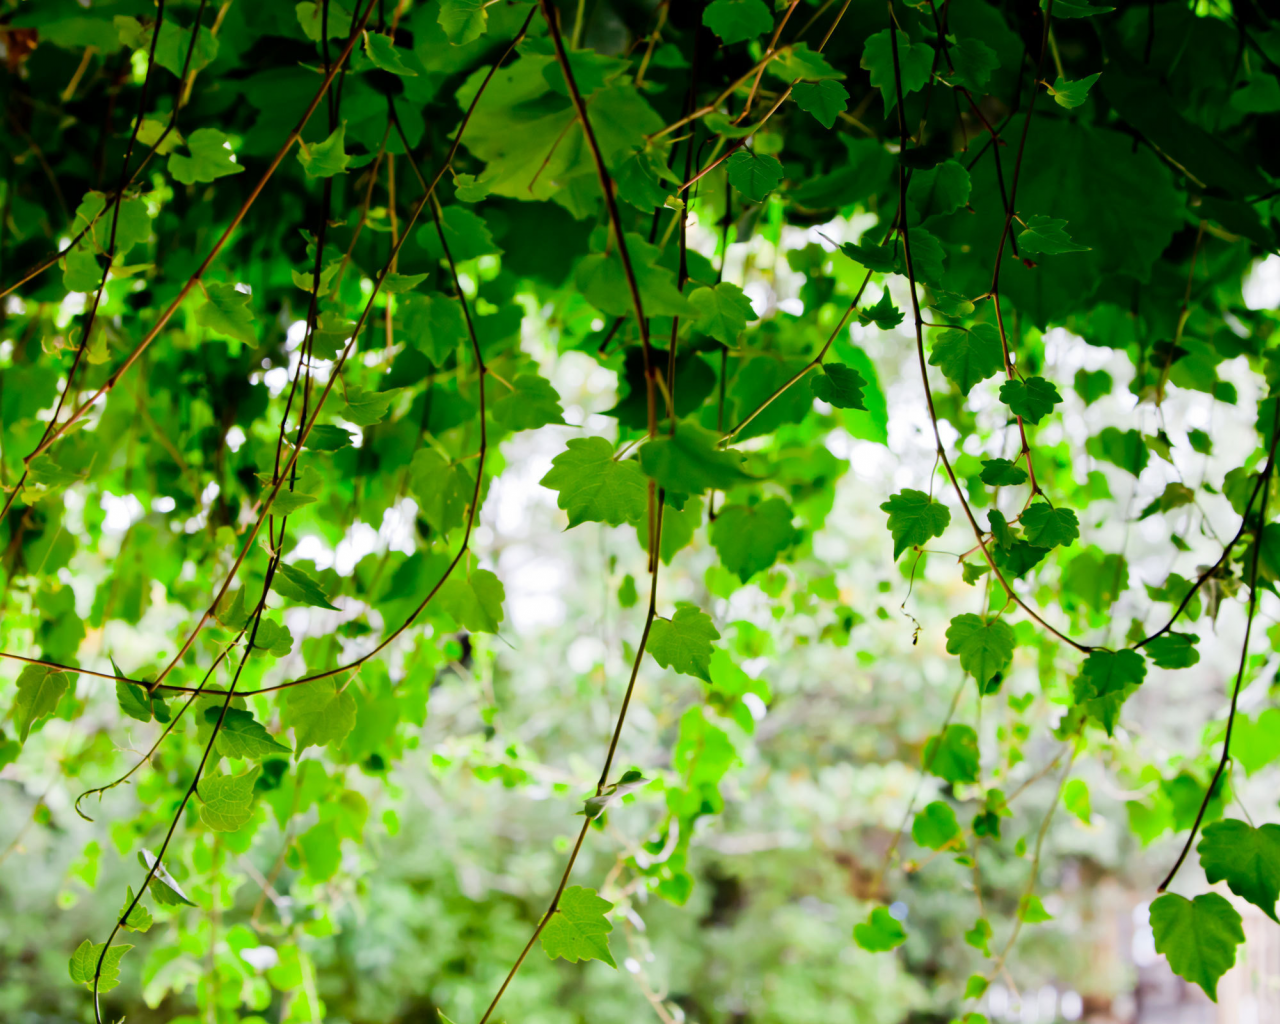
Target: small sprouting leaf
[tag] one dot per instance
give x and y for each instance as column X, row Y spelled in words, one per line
column 884, row 314
column 935, row 826
column 736, row 21
column 594, row 487
column 139, row 919
column 723, row 311
column 914, row 519
column 967, row 357
column 631, row 780
column 952, row 755
column 1072, row 94
column 1174, row 650
column 1246, row 858
column 839, row 385
column 1075, row 798
column 1032, row 399
column 749, row 538
column 979, row 937
column 320, row 713
column 825, row 100
column 1032, row 911
column 1198, row 937
column 985, row 647
column 577, row 929
column 1002, row 473
column 382, row 51
column 294, row 583
column 164, row 890
column 684, row 642
column 1048, row 236
column 210, row 159
column 84, row 964
column 915, row 61
column 325, row 159
column 753, row 174
column 39, row 691
column 880, row 932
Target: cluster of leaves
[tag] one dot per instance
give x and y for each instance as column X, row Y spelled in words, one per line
column 296, row 295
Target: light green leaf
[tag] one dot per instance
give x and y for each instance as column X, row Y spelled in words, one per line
column 473, row 602
column 227, row 800
column 1198, row 937
column 84, row 964
column 594, row 487
column 1106, row 680
column 985, row 647
column 690, row 462
column 325, row 159
column 311, row 18
column 749, row 538
column 39, row 691
column 914, row 519
column 227, row 312
column 577, row 929
column 139, row 920
column 320, row 714
column 1048, row 527
column 839, row 386
column 532, row 404
column 935, row 826
column 384, row 54
column 463, row 21
column 952, row 755
column 723, row 311
column 443, row 489
column 1072, row 94
column 242, row 736
column 684, row 642
column 880, row 932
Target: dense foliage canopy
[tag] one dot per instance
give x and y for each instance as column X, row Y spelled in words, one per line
column 296, row 296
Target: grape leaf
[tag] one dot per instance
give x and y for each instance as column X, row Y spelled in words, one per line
column 684, row 642
column 749, row 538
column 952, row 754
column 324, row 159
column 532, row 403
column 967, row 357
column 1048, row 236
column 1048, row 527
column 825, row 100
column 985, row 647
column 594, row 487
column 1002, row 473
column 39, row 691
column 227, row 312
column 84, row 964
column 691, row 462
column 210, row 159
column 935, row 826
column 242, row 736
column 1246, row 858
column 1198, row 937
column 1105, row 682
column 226, row 801
column 915, row 61
column 879, row 933
column 736, row 21
column 320, row 713
column 1174, row 650
column 1032, row 399
column 753, row 174
column 839, row 386
column 723, row 311
column 914, row 519
column 294, row 583
column 577, row 929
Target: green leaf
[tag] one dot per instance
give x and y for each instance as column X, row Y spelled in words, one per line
column 939, row 190
column 1198, row 937
column 473, row 601
column 601, row 279
column 324, row 159
column 84, row 964
column 273, row 639
column 979, row 937
column 443, row 489
column 723, row 311
column 1074, row 9
column 1072, row 94
column 80, row 270
column 164, row 890
column 227, row 313
column 915, row 61
column 294, row 583
column 684, row 642
column 594, row 487
column 466, row 234
column 242, row 736
column 749, row 538
column 631, row 780
column 1002, row 473
column 753, row 174
column 384, row 54
column 1032, row 911
column 952, row 755
column 935, row 826
column 690, row 462
column 798, row 61
column 139, row 920
column 825, row 100
column 227, row 800
column 1048, row 236
column 736, row 21
column 1075, row 798
column 1048, row 527
column 839, row 385
column 1124, row 448
column 914, row 519
column 985, row 647
column 879, row 933
column 39, row 691
column 325, row 437
column 1032, row 399
column 134, row 700
column 463, row 21
column 882, row 259
column 320, row 714
column 210, row 159
column 1246, row 858
column 534, row 403
column 967, row 357
column 1174, row 650
column 1106, row 680
column 973, row 61
column 577, row 929
column 468, row 189
column 311, row 18
column 367, row 408
column 884, row 314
